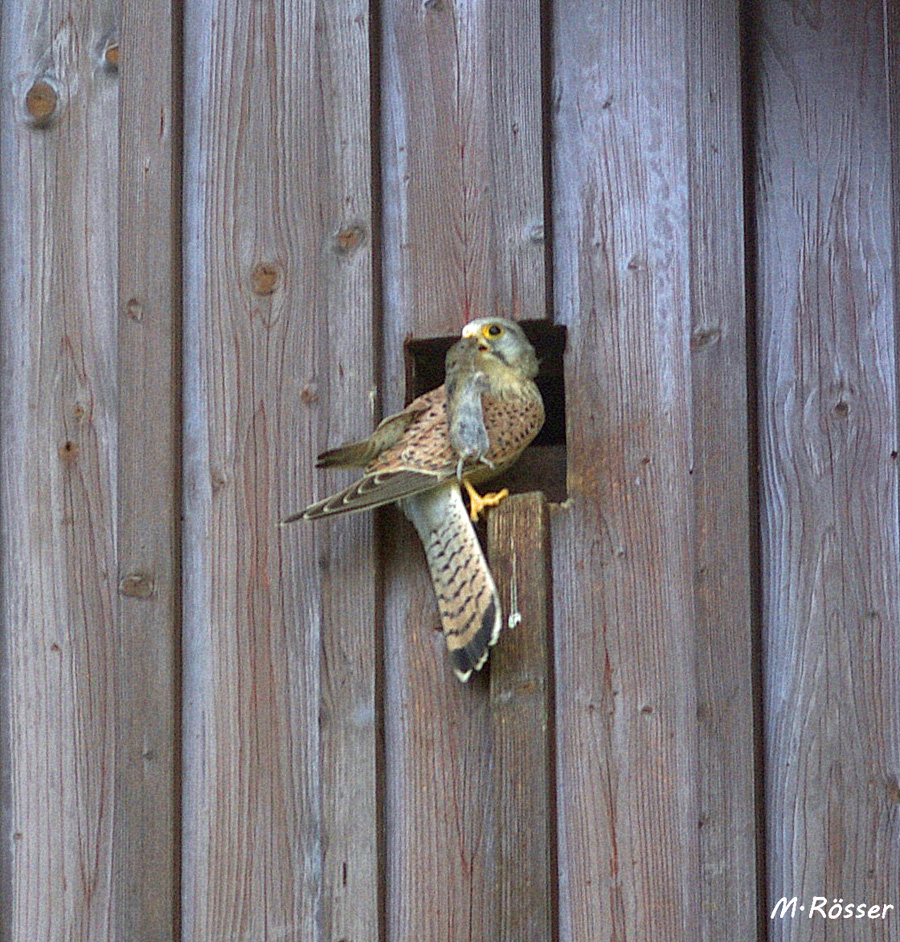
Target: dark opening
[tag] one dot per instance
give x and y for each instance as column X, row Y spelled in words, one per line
column 543, row 465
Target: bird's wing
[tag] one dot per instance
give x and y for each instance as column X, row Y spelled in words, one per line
column 467, row 597
column 386, row 434
column 370, row 491
column 419, row 458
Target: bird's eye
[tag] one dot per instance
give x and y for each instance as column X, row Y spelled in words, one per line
column 493, row 330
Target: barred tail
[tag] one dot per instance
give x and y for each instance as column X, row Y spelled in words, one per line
column 467, row 597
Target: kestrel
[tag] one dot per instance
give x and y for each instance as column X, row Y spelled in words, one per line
column 464, row 432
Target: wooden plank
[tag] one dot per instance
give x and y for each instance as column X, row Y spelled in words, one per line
column 149, row 473
column 280, row 645
column 463, row 181
column 622, row 544
column 723, row 586
column 515, row 193
column 462, row 194
column 521, row 685
column 58, row 473
column 828, row 433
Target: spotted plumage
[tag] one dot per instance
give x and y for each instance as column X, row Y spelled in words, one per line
column 464, row 432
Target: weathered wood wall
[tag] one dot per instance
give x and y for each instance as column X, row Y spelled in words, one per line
column 66, row 741
column 149, row 483
column 280, row 816
column 828, row 427
column 220, row 223
column 462, row 190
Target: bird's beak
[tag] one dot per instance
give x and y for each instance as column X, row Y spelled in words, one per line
column 469, row 330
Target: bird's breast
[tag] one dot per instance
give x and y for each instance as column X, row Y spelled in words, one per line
column 511, row 423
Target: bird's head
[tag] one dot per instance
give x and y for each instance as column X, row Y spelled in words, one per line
column 504, row 340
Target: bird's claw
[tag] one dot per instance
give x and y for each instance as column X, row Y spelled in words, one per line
column 478, row 502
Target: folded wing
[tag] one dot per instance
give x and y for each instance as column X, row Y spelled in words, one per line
column 408, row 453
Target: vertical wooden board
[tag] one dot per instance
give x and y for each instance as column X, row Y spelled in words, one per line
column 521, row 683
column 517, row 192
column 828, row 447
column 462, row 194
column 57, row 491
column 149, row 472
column 622, row 546
column 463, row 183
column 280, row 724
column 722, row 505
column 439, row 811
column 892, row 35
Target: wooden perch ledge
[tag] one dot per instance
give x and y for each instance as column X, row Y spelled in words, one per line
column 521, row 681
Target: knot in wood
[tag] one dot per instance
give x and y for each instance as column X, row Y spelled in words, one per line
column 636, row 263
column 138, row 585
column 704, row 335
column 111, row 56
column 348, row 239
column 265, row 278
column 69, row 452
column 41, row 102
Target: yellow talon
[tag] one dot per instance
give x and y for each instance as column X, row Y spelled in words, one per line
column 477, row 502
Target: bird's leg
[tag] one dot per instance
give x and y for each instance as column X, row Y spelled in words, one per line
column 477, row 502
column 462, row 460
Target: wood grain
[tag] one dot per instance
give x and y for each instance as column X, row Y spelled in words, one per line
column 280, row 646
column 828, row 434
column 462, row 190
column 622, row 544
column 58, row 473
column 727, row 718
column 145, row 864
column 303, row 647
column 516, row 127
column 521, row 687
column 892, row 36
